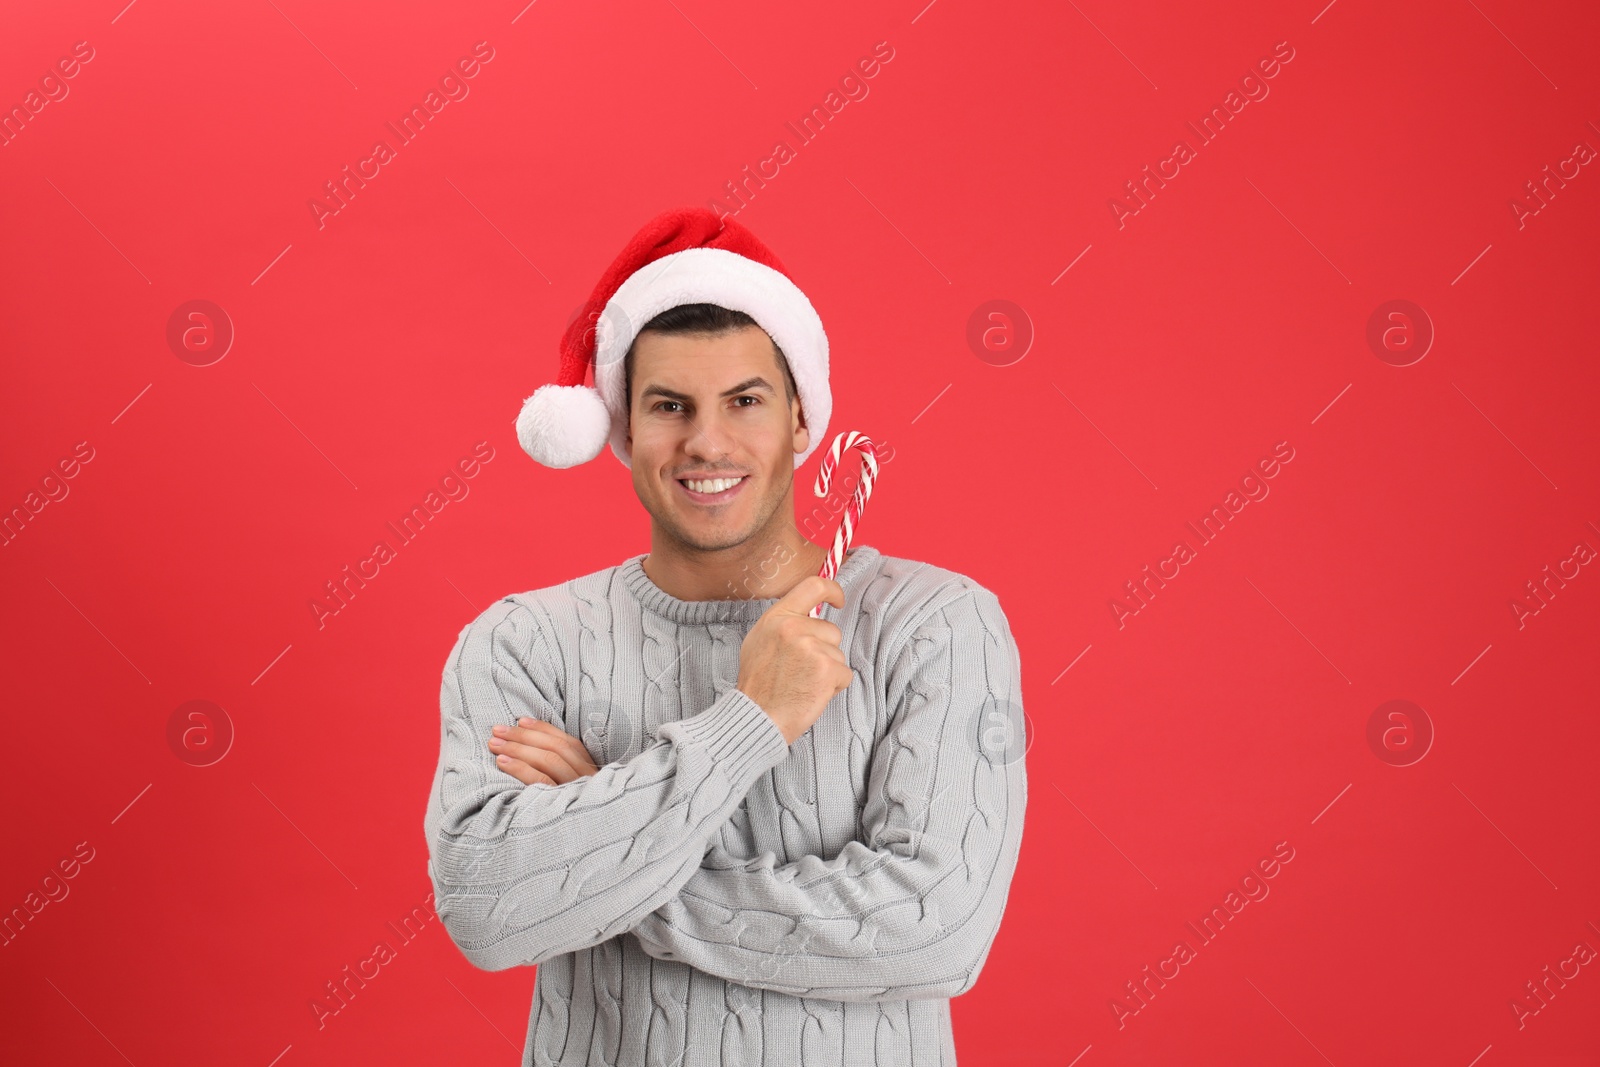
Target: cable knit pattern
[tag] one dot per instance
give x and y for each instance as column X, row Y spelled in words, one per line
column 714, row 897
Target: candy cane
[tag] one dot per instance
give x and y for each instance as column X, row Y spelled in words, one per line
column 858, row 499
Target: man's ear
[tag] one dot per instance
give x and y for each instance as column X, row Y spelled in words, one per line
column 802, row 433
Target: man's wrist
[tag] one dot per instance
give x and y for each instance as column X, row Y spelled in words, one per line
column 775, row 721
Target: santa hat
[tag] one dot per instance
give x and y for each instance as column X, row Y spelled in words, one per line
column 682, row 256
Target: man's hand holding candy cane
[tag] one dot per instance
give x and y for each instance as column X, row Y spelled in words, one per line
column 790, row 662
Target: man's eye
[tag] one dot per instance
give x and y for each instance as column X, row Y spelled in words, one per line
column 748, row 397
column 663, row 403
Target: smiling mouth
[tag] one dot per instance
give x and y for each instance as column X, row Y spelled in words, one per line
column 711, row 499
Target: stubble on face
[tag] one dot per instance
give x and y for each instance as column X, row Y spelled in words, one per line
column 695, row 410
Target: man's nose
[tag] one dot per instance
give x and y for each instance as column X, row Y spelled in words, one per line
column 710, row 435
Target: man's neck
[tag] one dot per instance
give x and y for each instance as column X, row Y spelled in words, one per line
column 761, row 568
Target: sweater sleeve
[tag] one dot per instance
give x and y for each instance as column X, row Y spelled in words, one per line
column 911, row 909
column 522, row 873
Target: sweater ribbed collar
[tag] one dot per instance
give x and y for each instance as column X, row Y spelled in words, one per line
column 857, row 562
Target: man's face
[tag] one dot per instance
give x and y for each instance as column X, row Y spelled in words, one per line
column 712, row 405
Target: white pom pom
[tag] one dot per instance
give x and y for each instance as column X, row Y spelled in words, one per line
column 563, row 425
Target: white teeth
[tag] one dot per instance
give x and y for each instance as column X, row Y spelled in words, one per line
column 714, row 486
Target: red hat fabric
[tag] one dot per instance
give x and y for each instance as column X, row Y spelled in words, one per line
column 682, row 256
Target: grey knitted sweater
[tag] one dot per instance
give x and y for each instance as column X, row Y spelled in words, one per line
column 713, row 896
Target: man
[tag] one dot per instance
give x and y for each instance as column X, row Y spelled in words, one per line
column 725, row 831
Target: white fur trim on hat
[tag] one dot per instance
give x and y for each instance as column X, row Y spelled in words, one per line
column 563, row 425
column 714, row 276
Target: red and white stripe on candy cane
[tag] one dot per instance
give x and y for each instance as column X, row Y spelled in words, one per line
column 858, row 500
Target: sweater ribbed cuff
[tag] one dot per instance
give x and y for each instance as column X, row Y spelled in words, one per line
column 738, row 735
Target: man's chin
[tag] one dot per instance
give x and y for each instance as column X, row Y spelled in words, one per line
column 717, row 533
column 709, row 535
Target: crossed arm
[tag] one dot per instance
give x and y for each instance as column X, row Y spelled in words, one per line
column 908, row 910
column 525, row 873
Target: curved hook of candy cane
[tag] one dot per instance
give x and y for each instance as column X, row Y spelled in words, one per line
column 852, row 439
column 858, row 500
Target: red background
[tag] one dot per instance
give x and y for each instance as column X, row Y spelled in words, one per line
column 1228, row 315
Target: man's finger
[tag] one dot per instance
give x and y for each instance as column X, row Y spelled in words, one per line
column 809, row 592
column 539, row 755
column 521, row 771
column 549, row 735
column 576, row 753
column 566, row 757
column 833, row 652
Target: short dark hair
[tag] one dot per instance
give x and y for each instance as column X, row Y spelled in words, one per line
column 710, row 319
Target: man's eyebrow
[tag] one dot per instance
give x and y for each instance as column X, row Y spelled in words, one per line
column 743, row 387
